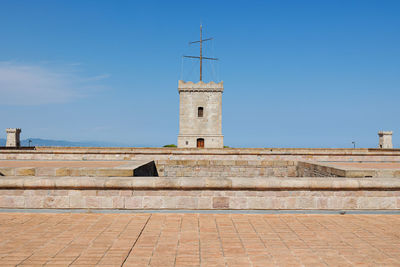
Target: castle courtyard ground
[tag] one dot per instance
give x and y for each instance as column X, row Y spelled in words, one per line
column 193, row 239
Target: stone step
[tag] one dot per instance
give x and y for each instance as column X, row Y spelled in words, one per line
column 58, row 172
column 61, row 169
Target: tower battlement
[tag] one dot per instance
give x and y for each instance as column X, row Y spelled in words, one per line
column 200, row 86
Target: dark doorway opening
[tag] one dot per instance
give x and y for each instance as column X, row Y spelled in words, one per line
column 200, row 142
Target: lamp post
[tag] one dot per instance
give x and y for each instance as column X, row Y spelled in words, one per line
column 354, row 144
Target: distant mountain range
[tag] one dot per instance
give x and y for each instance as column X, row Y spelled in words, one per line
column 47, row 142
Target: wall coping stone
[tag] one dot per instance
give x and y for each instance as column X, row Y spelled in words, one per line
column 209, row 151
column 199, row 183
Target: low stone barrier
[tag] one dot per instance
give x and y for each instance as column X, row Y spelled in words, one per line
column 200, row 193
column 319, row 169
column 269, row 154
column 60, row 172
column 226, row 168
column 128, row 169
column 310, row 169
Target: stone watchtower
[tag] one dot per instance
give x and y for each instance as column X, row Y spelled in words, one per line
column 13, row 137
column 200, row 115
column 200, row 109
column 385, row 139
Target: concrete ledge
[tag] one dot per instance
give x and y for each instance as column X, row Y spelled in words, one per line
column 205, row 151
column 60, row 172
column 198, row 183
column 250, row 154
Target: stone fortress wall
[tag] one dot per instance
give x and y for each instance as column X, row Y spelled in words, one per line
column 278, row 189
column 251, row 154
column 144, row 193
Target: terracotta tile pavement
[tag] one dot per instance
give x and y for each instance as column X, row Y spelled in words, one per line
column 37, row 239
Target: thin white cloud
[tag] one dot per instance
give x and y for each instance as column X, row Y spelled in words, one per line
column 29, row 84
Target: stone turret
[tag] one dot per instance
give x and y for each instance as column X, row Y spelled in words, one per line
column 200, row 115
column 13, row 137
column 385, row 139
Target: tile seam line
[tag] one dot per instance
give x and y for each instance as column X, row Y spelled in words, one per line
column 129, row 253
column 220, row 240
column 308, row 228
column 92, row 240
column 274, row 230
column 240, row 238
column 259, row 237
column 55, row 238
column 198, row 233
column 179, row 239
column 366, row 240
column 158, row 239
column 41, row 223
column 115, row 240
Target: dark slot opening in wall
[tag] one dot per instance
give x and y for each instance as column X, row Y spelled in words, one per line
column 200, row 112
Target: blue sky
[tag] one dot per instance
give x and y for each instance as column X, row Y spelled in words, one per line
column 296, row 73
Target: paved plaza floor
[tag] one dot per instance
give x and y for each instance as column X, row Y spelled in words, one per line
column 160, row 239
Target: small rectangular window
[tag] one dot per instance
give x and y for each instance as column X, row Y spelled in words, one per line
column 200, row 112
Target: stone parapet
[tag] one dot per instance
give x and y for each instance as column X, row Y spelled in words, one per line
column 200, row 86
column 226, row 168
column 119, row 153
column 64, row 171
column 144, row 193
column 198, row 183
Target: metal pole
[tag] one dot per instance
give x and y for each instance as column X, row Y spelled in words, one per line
column 201, row 53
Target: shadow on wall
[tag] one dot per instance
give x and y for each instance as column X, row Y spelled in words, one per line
column 148, row 169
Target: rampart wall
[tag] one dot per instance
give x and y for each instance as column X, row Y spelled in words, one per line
column 226, row 168
column 202, row 193
column 251, row 154
column 186, row 189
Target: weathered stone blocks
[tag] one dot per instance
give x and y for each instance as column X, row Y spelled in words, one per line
column 226, row 168
column 220, row 203
column 216, row 199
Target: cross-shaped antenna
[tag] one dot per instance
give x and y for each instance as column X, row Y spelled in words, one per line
column 201, row 51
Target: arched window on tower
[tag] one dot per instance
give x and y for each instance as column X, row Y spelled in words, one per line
column 200, row 112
